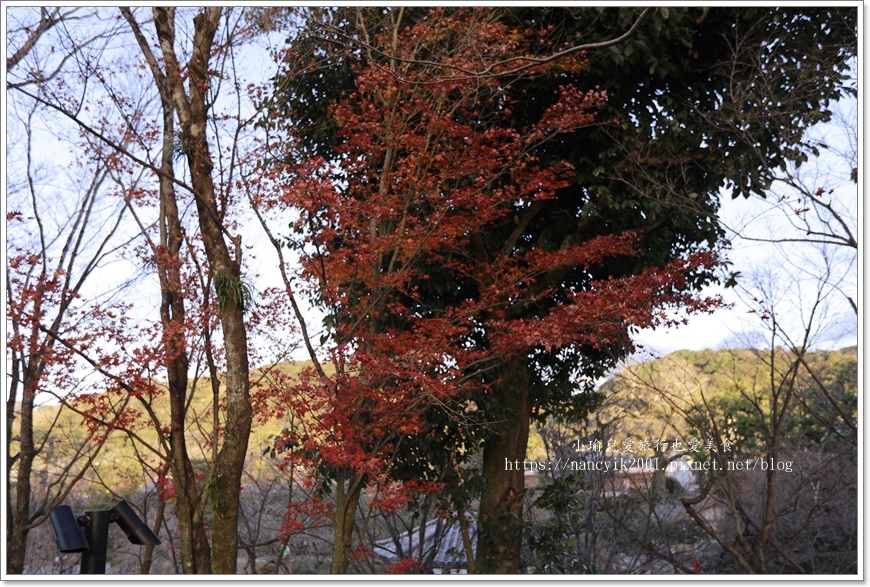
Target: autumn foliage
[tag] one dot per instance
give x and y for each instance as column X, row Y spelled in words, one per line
column 427, row 165
column 484, row 204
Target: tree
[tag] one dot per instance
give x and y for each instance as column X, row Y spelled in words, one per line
column 426, row 170
column 53, row 256
column 190, row 313
column 778, row 494
column 787, row 407
column 706, row 96
column 196, row 556
column 191, row 106
column 41, row 293
column 676, row 71
column 810, row 212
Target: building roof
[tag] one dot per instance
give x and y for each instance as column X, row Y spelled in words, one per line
column 442, row 544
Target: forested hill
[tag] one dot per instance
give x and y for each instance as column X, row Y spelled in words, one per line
column 682, row 394
column 122, row 465
column 741, row 394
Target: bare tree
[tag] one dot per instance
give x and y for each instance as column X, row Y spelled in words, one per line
column 811, row 209
column 782, row 425
column 54, row 254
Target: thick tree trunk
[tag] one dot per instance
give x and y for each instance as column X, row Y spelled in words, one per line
column 227, row 476
column 501, row 502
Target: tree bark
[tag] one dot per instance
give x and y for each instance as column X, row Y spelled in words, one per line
column 31, row 372
column 346, row 504
column 21, row 508
column 12, row 565
column 148, row 556
column 466, row 542
column 195, row 549
column 192, row 108
column 501, row 502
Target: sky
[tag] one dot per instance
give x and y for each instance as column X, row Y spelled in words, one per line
column 790, row 269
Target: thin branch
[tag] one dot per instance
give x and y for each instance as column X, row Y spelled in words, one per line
column 46, row 21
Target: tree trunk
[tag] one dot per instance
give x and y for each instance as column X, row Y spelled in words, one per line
column 148, row 555
column 466, row 542
column 346, row 504
column 195, row 550
column 31, row 373
column 501, row 502
column 192, row 110
column 14, row 564
column 21, row 508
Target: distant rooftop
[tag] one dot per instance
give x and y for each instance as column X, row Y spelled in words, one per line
column 442, row 549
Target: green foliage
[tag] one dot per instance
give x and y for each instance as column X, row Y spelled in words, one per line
column 230, row 287
column 181, row 147
column 685, row 115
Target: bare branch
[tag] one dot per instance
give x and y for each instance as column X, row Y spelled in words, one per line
column 46, row 21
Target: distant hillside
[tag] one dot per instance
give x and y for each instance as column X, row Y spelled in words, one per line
column 692, row 394
column 119, row 463
column 651, row 400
